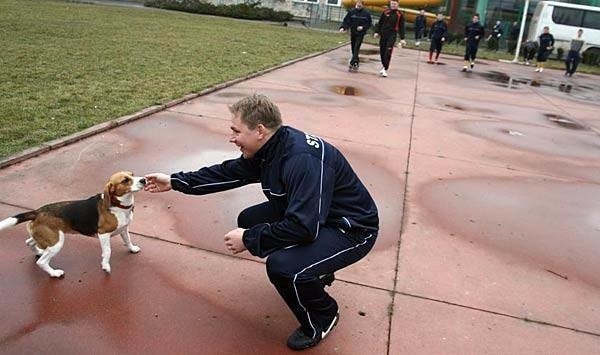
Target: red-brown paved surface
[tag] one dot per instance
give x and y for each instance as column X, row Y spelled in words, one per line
column 488, row 198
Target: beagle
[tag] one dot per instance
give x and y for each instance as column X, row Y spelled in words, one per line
column 103, row 215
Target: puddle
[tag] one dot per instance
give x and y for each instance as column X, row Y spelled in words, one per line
column 345, row 90
column 564, row 121
column 565, row 87
column 502, row 79
column 583, row 92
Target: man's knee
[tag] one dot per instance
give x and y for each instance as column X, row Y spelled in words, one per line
column 278, row 266
column 244, row 220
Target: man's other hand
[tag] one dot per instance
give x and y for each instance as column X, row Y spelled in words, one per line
column 234, row 242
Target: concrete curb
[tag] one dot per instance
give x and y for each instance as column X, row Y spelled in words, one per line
column 105, row 126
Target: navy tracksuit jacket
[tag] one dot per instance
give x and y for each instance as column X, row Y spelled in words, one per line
column 439, row 30
column 307, row 180
column 474, row 32
column 326, row 218
column 356, row 18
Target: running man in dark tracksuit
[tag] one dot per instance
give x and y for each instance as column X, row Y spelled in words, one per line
column 546, row 46
column 438, row 34
column 318, row 217
column 473, row 33
column 420, row 24
column 390, row 24
column 358, row 20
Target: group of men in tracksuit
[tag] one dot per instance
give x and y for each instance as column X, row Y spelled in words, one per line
column 392, row 23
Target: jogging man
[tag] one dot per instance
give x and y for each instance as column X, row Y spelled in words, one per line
column 420, row 24
column 391, row 22
column 437, row 34
column 473, row 33
column 546, row 46
column 358, row 20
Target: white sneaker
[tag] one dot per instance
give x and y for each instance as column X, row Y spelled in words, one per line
column 537, row 69
column 541, row 70
column 417, row 43
column 383, row 73
column 527, row 63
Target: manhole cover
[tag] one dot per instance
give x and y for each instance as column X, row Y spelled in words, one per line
column 345, row 90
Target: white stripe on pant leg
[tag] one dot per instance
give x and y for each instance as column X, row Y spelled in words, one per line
column 320, row 188
column 318, row 262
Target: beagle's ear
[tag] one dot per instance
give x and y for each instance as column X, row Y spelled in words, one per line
column 106, row 195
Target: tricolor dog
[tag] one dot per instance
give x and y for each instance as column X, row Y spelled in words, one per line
column 103, row 215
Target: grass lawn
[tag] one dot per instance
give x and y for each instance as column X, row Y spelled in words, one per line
column 66, row 66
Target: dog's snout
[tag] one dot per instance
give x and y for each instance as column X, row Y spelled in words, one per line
column 143, row 181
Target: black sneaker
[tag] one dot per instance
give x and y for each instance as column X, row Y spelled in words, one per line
column 300, row 341
column 327, row 279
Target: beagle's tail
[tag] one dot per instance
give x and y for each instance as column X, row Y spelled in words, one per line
column 20, row 218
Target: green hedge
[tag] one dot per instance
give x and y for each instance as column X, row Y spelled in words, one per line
column 251, row 11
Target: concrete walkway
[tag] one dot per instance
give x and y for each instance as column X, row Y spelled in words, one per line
column 488, row 187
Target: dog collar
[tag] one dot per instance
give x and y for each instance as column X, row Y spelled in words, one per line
column 116, row 203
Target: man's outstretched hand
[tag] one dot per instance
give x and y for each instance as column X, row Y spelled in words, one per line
column 234, row 242
column 157, row 182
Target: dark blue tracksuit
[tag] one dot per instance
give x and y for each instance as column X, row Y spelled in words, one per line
column 473, row 32
column 439, row 30
column 356, row 18
column 420, row 24
column 546, row 41
column 319, row 217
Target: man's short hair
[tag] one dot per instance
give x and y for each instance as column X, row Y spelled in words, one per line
column 256, row 109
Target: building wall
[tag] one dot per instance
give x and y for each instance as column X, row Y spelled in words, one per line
column 311, row 10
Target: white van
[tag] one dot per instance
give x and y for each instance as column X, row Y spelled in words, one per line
column 564, row 20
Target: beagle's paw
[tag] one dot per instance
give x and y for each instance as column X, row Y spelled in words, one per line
column 106, row 268
column 56, row 273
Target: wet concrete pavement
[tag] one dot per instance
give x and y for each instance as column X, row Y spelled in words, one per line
column 487, row 185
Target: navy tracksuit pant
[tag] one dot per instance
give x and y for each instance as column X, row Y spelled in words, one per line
column 386, row 47
column 295, row 270
column 471, row 50
column 572, row 62
column 436, row 46
column 355, row 41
